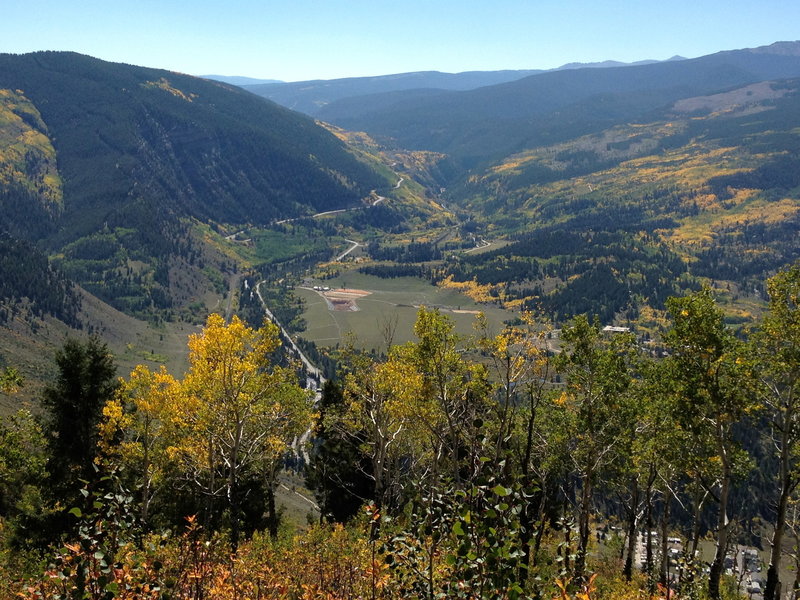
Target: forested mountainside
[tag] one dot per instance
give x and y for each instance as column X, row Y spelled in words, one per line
column 705, row 190
column 483, row 124
column 126, row 134
column 106, row 166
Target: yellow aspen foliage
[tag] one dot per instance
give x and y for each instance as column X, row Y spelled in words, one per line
column 140, row 427
column 472, row 289
column 241, row 411
column 233, row 413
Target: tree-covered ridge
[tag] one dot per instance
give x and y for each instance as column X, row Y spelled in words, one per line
column 27, row 156
column 708, row 194
column 126, row 132
column 31, row 189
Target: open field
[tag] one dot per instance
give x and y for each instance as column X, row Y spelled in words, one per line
column 388, row 299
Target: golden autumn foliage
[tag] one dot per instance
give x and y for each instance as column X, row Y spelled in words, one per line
column 140, row 427
column 233, row 413
column 472, row 289
column 326, row 562
column 165, row 85
column 27, row 156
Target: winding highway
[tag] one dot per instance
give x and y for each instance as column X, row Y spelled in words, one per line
column 300, row 444
column 303, row 358
column 328, row 212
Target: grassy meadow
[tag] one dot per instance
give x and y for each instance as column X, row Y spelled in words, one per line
column 390, row 299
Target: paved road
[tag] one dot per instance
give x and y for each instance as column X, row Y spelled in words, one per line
column 299, row 444
column 306, row 363
column 327, row 212
column 348, row 251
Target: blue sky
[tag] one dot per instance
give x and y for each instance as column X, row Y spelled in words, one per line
column 324, row 39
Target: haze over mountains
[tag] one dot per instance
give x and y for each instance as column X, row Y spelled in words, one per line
column 239, row 80
column 312, row 96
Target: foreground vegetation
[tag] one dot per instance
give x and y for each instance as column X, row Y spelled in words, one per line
column 480, row 467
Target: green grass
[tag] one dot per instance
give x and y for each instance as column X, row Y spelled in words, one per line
column 391, row 299
column 275, row 246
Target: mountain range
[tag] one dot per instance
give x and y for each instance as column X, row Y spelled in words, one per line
column 475, row 125
column 311, row 97
column 612, row 187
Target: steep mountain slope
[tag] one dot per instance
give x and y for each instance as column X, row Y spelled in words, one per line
column 107, row 166
column 473, row 126
column 207, row 149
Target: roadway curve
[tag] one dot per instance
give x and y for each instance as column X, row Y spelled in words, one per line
column 348, row 251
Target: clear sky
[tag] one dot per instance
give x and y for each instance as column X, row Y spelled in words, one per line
column 323, row 39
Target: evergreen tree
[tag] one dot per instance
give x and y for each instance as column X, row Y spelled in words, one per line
column 338, row 472
column 74, row 402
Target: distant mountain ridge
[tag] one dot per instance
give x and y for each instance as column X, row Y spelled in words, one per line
column 312, row 96
column 613, row 63
column 490, row 121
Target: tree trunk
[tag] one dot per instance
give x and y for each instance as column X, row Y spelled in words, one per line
column 629, row 559
column 526, row 531
column 272, row 514
column 526, row 518
column 211, row 487
column 539, row 535
column 583, row 528
column 693, row 541
column 780, row 518
column 648, row 523
column 722, row 535
column 662, row 572
column 233, row 504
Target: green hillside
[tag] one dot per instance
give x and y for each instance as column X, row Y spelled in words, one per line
column 128, row 134
column 107, row 167
column 491, row 122
column 621, row 219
